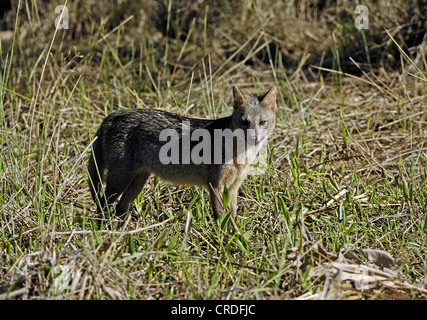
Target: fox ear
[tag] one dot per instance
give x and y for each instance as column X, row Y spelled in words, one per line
column 269, row 99
column 239, row 97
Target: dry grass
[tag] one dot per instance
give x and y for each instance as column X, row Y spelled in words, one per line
column 348, row 160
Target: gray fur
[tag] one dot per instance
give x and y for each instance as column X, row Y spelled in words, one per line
column 126, row 151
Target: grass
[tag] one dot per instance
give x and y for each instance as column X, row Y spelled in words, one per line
column 347, row 161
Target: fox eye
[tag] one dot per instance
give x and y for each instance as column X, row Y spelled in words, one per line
column 262, row 122
column 244, row 122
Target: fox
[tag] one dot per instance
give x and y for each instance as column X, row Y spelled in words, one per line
column 132, row 144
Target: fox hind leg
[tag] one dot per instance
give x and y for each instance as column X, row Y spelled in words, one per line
column 130, row 193
column 116, row 184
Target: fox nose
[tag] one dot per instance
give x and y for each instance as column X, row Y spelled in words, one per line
column 253, row 139
column 253, row 136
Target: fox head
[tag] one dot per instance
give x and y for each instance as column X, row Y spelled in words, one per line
column 255, row 115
